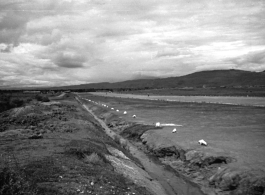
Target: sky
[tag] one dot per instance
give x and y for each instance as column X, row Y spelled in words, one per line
column 70, row 42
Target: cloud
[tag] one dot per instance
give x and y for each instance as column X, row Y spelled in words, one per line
column 5, row 47
column 60, row 42
column 253, row 61
column 69, row 60
column 257, row 57
column 168, row 52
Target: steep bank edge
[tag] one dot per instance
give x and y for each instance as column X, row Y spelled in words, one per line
column 168, row 180
column 223, row 179
column 155, row 186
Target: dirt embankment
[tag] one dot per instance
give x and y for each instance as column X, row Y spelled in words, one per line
column 58, row 148
column 211, row 171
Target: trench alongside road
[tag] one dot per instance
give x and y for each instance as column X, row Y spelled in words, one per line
column 170, row 183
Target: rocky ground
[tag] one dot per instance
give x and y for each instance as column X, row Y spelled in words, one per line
column 209, row 170
column 58, row 148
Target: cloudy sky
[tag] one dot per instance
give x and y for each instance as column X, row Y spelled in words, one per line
column 65, row 42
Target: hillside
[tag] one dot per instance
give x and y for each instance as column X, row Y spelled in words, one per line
column 211, row 78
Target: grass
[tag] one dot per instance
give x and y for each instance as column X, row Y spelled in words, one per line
column 16, row 182
column 89, row 151
column 13, row 100
column 62, row 163
column 94, row 158
column 18, row 179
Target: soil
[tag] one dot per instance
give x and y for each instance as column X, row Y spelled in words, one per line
column 216, row 171
column 58, row 148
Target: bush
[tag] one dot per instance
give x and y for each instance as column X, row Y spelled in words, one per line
column 7, row 102
column 28, row 100
column 16, row 102
column 42, row 98
column 91, row 151
column 94, row 158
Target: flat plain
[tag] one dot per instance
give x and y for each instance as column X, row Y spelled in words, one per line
column 237, row 131
column 233, row 100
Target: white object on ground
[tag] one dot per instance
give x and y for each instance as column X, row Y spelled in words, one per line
column 202, row 142
column 134, row 116
column 158, row 124
column 112, row 108
column 170, row 124
column 174, row 130
column 117, row 110
column 124, row 112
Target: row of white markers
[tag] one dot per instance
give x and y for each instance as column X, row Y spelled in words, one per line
column 104, row 105
column 201, row 142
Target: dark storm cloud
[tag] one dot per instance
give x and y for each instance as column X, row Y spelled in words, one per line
column 69, row 60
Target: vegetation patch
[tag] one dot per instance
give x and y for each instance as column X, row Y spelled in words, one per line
column 134, row 132
column 91, row 152
column 18, row 179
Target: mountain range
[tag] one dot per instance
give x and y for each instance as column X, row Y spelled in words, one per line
column 211, row 78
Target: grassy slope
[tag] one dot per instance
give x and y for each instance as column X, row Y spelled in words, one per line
column 67, row 159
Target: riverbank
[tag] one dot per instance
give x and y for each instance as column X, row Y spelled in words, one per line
column 167, row 178
column 56, row 147
column 208, row 169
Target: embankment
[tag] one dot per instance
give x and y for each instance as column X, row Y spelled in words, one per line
column 159, row 175
column 210, row 171
column 57, row 148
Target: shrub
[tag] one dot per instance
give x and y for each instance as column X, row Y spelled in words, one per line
column 7, row 102
column 42, row 98
column 28, row 100
column 91, row 151
column 93, row 158
column 16, row 102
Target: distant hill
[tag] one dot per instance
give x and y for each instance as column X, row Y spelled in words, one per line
column 213, row 78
